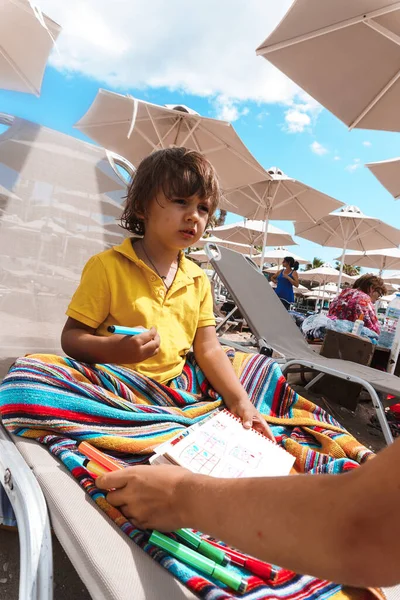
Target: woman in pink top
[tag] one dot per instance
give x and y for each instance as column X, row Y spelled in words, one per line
column 359, row 300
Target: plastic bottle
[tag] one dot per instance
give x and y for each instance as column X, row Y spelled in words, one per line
column 390, row 324
column 358, row 325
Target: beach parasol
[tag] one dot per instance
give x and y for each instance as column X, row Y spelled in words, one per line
column 278, row 197
column 387, row 173
column 241, row 248
column 349, row 229
column 26, row 39
column 252, row 232
column 134, row 129
column 346, row 55
column 387, row 258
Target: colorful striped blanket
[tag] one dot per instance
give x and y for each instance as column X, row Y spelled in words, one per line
column 60, row 402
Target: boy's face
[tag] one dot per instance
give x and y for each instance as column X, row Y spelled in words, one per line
column 179, row 222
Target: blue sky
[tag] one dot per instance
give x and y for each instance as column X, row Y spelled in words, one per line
column 280, row 126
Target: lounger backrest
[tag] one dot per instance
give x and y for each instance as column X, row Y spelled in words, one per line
column 258, row 303
column 59, row 201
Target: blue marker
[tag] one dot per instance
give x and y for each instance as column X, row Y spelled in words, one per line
column 126, row 330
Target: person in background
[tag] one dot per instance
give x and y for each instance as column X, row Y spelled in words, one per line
column 285, row 280
column 359, row 300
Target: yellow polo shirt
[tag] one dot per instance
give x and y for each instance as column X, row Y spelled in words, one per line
column 117, row 288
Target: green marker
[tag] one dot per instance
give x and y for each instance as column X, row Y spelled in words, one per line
column 198, row 561
column 195, row 542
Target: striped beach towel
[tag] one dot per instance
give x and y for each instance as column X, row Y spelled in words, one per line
column 60, row 402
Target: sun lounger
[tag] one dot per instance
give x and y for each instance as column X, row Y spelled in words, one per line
column 275, row 329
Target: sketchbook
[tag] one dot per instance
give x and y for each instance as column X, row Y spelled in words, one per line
column 220, row 446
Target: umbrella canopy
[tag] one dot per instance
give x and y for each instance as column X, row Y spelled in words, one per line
column 388, row 258
column 349, row 229
column 393, row 279
column 134, row 129
column 323, row 275
column 278, row 254
column 387, row 173
column 242, row 248
column 351, row 47
column 279, row 197
column 27, row 37
column 199, row 256
column 329, row 288
column 252, row 232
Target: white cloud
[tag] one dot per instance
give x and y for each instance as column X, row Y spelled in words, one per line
column 296, row 120
column 356, row 164
column 336, row 157
column 205, row 48
column 318, row 148
column 367, row 144
column 229, row 110
column 301, row 113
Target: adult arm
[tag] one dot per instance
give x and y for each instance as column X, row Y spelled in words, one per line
column 293, row 278
column 219, row 371
column 275, row 276
column 343, row 528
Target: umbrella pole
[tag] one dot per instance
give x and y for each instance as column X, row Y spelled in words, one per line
column 264, row 242
column 342, row 265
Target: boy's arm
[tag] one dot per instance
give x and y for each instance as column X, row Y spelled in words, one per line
column 218, row 370
column 343, row 528
column 80, row 342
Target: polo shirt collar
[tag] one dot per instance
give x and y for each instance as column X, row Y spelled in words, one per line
column 187, row 272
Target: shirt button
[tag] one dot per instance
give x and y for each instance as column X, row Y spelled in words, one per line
column 152, row 278
column 161, row 293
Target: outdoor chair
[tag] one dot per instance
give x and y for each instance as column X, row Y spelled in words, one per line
column 274, row 329
column 52, row 189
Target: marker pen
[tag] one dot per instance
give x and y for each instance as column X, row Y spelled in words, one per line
column 199, row 562
column 93, row 454
column 126, row 330
column 202, row 546
column 255, row 566
column 94, row 468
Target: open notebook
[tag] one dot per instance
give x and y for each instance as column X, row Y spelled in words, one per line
column 220, row 446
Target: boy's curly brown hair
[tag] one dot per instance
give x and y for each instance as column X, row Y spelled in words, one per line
column 178, row 173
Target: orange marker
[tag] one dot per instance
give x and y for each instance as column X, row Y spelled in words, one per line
column 99, row 457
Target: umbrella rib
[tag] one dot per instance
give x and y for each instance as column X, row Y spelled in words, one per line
column 329, row 29
column 235, row 152
column 295, row 197
column 375, row 100
column 191, row 132
column 20, row 74
column 160, row 138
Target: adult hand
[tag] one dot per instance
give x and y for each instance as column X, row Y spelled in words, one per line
column 250, row 416
column 151, row 497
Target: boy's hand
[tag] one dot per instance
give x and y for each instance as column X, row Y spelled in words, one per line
column 250, row 416
column 140, row 347
column 149, row 496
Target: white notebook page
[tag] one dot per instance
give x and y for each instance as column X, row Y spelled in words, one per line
column 222, row 447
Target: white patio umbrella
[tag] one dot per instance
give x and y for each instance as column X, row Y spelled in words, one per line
column 26, row 39
column 344, row 54
column 387, row 258
column 242, row 248
column 252, row 232
column 349, row 229
column 199, row 256
column 323, row 275
column 393, row 279
column 134, row 129
column 329, row 288
column 277, row 255
column 278, row 197
column 387, row 173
